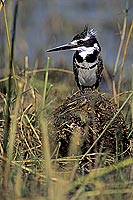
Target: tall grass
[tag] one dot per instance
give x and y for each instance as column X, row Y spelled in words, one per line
column 7, row 114
column 45, row 140
column 124, row 57
column 118, row 57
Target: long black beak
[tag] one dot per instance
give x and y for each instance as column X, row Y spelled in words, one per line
column 68, row 46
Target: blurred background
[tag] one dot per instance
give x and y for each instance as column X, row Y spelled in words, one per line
column 45, row 24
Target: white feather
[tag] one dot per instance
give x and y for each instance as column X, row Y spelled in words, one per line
column 84, row 51
column 91, row 32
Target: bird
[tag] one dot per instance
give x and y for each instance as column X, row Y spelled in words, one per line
column 87, row 59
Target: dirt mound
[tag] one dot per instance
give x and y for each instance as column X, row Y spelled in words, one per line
column 80, row 120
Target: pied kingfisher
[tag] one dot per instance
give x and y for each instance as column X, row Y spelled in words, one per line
column 87, row 60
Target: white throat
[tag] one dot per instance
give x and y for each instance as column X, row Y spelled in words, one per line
column 84, row 51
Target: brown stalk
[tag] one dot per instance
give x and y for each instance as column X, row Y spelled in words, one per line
column 117, row 59
column 123, row 59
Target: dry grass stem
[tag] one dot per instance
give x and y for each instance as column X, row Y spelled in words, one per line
column 123, row 59
column 118, row 57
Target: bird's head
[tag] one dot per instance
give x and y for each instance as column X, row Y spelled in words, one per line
column 84, row 41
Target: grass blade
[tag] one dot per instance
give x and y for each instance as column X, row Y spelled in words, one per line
column 123, row 60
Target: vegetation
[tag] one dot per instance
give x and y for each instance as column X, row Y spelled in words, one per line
column 31, row 165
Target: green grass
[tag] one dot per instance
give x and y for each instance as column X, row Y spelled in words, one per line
column 32, row 170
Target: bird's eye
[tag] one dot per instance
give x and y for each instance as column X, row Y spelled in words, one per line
column 80, row 42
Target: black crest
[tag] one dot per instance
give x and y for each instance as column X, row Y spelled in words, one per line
column 86, row 32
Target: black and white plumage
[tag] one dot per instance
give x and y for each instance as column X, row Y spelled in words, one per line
column 87, row 60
